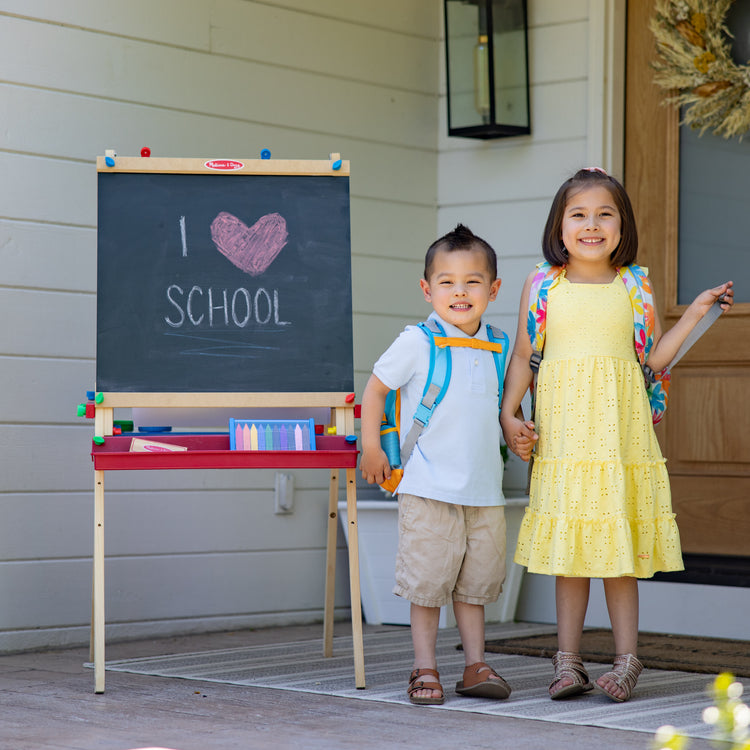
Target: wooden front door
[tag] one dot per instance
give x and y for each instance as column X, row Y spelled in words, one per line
column 705, row 435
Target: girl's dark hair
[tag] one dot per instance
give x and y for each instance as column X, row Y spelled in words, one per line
column 552, row 245
column 460, row 238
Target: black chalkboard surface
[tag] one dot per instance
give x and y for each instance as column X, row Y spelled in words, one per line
column 223, row 283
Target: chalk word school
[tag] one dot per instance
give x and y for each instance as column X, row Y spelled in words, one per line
column 216, row 307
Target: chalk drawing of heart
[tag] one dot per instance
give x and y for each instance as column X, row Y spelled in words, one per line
column 251, row 249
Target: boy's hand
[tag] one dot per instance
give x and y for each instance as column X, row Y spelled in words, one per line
column 520, row 437
column 374, row 466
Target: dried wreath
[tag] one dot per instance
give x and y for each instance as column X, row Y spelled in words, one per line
column 694, row 57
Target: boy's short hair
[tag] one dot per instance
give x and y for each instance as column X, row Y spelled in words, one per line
column 460, row 238
column 552, row 245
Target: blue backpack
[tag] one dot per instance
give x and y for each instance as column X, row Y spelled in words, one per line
column 438, row 379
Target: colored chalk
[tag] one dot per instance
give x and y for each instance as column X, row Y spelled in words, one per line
column 272, row 434
column 265, row 154
column 154, row 428
column 117, row 430
column 331, row 430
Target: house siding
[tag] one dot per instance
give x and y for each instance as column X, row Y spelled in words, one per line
column 199, row 550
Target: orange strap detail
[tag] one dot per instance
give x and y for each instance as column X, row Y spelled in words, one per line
column 491, row 346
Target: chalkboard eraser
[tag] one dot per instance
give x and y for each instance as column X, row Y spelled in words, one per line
column 154, row 428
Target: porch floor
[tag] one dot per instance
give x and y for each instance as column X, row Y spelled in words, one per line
column 48, row 703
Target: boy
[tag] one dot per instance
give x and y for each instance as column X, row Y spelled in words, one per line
column 451, row 515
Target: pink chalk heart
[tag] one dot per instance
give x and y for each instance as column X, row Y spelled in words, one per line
column 251, row 249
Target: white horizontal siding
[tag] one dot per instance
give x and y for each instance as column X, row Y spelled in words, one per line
column 189, row 81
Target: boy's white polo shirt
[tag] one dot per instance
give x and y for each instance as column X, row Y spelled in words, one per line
column 457, row 458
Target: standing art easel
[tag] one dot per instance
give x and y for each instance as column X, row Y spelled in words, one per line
column 196, row 309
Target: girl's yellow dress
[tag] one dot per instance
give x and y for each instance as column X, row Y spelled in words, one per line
column 600, row 504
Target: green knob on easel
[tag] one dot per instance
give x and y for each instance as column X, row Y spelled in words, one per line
column 99, row 440
column 99, row 398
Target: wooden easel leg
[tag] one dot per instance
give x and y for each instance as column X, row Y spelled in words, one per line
column 98, row 586
column 351, row 517
column 330, row 592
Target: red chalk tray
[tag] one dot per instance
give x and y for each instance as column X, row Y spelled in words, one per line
column 212, row 452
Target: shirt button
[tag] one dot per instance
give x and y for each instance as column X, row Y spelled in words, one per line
column 476, row 361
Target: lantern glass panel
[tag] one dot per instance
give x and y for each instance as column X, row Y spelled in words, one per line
column 511, row 77
column 467, row 61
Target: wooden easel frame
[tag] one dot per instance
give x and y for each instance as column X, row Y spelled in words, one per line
column 342, row 418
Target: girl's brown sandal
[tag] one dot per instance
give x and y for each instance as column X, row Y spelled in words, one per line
column 569, row 665
column 624, row 674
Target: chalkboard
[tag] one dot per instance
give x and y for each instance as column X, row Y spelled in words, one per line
column 223, row 283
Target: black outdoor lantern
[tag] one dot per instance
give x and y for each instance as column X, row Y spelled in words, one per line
column 486, row 51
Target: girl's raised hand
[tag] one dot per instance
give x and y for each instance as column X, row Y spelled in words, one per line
column 724, row 292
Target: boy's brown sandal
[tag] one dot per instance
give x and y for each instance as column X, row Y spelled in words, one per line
column 569, row 665
column 415, row 684
column 477, row 683
column 624, row 675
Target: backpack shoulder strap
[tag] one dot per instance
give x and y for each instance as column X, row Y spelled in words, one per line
column 438, row 378
column 545, row 278
column 642, row 302
column 495, row 335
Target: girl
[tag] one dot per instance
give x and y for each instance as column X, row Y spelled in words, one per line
column 600, row 504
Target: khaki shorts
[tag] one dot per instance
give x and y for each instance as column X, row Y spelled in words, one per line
column 449, row 552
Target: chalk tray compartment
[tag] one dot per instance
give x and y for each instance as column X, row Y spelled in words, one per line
column 211, row 451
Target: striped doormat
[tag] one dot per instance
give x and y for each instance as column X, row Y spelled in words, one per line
column 661, row 697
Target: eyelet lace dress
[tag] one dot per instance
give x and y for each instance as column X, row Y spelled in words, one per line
column 600, row 504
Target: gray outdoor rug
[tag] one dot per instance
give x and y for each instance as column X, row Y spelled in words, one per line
column 662, row 697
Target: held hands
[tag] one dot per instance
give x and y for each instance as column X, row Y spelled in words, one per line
column 374, row 466
column 520, row 437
